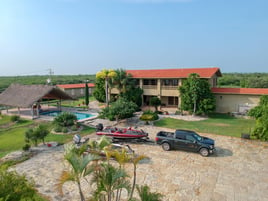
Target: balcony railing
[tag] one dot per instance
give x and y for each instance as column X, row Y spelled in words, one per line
column 149, row 86
column 169, row 87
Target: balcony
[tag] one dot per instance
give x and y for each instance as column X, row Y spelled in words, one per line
column 169, row 87
column 149, row 86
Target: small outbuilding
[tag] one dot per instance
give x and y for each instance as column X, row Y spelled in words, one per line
column 237, row 100
column 31, row 96
column 77, row 90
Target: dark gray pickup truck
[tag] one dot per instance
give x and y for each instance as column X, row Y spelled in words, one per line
column 185, row 140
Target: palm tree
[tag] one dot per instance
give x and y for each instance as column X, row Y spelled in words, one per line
column 80, row 167
column 146, row 195
column 135, row 160
column 121, row 80
column 106, row 74
column 109, row 180
column 122, row 158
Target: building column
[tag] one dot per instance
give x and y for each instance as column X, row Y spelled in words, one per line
column 159, row 91
column 141, row 86
column 179, row 96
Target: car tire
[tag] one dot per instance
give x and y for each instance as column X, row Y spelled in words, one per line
column 166, row 146
column 204, row 152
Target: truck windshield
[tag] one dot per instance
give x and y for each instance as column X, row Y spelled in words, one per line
column 198, row 137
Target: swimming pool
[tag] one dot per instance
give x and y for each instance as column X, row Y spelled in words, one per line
column 80, row 116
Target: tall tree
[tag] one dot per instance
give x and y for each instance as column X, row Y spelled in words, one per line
column 155, row 101
column 86, row 94
column 135, row 160
column 196, row 95
column 106, row 75
column 99, row 91
column 260, row 113
column 121, row 80
column 134, row 94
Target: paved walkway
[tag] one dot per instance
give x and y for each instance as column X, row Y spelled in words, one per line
column 238, row 172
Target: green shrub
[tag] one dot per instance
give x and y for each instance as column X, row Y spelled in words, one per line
column 58, row 128
column 178, row 112
column 149, row 115
column 120, row 109
column 74, row 128
column 15, row 187
column 65, row 119
column 65, row 130
column 37, row 133
column 26, row 147
column 15, row 118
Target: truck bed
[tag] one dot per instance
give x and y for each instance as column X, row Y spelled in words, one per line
column 165, row 134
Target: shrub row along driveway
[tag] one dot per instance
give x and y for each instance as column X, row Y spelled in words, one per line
column 238, row 171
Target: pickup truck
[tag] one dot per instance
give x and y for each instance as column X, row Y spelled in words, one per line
column 185, row 140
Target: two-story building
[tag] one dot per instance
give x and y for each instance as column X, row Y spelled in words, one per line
column 164, row 83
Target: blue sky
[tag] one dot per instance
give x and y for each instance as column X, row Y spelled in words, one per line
column 85, row 36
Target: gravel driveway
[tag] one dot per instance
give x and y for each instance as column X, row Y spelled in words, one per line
column 238, row 171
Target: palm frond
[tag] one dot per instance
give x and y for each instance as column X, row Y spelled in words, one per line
column 65, row 176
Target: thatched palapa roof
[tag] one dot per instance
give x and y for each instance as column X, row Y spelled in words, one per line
column 25, row 96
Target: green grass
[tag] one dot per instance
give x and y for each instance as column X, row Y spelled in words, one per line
column 12, row 136
column 77, row 103
column 4, row 120
column 11, row 140
column 220, row 124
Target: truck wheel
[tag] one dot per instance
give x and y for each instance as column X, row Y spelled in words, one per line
column 166, row 146
column 204, row 152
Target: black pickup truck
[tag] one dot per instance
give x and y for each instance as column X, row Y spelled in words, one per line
column 185, row 140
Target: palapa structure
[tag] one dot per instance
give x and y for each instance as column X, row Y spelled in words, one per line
column 30, row 96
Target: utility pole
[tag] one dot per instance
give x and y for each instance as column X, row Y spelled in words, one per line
column 50, row 73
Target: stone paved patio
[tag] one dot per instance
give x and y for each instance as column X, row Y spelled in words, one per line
column 237, row 172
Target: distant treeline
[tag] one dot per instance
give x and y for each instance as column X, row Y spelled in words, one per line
column 42, row 79
column 244, row 80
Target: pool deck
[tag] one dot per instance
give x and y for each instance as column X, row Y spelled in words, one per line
column 27, row 114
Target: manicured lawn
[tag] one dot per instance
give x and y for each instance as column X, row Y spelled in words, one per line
column 12, row 134
column 77, row 103
column 220, row 124
column 11, row 140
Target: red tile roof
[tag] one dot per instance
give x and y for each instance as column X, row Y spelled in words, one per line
column 74, row 86
column 257, row 91
column 175, row 73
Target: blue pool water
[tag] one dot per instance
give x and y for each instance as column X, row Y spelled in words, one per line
column 79, row 115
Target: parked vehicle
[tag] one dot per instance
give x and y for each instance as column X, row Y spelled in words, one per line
column 78, row 140
column 121, row 133
column 185, row 140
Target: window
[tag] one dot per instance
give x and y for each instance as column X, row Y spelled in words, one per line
column 190, row 138
column 173, row 100
column 180, row 136
column 150, row 82
column 214, row 82
column 170, row 82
